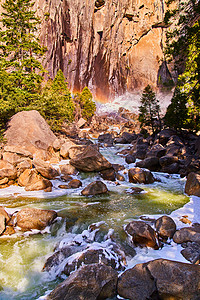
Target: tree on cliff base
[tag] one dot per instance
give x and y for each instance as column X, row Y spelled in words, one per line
column 183, row 46
column 149, row 109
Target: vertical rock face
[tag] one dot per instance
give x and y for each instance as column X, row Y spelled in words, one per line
column 112, row 46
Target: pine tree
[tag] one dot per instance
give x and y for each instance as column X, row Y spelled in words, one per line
column 20, row 49
column 149, row 109
column 177, row 113
column 87, row 104
column 55, row 103
column 183, row 46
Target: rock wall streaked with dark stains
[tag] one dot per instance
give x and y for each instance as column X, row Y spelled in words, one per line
column 111, row 46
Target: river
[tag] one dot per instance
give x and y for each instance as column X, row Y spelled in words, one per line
column 22, row 257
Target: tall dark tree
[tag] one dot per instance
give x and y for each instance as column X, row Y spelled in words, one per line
column 20, row 49
column 149, row 109
column 20, row 68
column 183, row 46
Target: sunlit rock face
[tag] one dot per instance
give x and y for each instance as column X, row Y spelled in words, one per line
column 112, row 46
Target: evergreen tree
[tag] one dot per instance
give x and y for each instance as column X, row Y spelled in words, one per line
column 87, row 104
column 19, row 53
column 177, row 113
column 20, row 49
column 55, row 103
column 149, row 109
column 183, row 46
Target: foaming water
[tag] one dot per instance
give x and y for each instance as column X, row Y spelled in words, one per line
column 131, row 101
column 23, row 256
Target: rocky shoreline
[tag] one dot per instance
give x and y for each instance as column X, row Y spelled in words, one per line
column 30, row 158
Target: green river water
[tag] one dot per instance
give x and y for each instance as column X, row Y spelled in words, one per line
column 22, row 257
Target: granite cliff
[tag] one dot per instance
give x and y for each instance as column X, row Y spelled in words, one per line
column 112, row 46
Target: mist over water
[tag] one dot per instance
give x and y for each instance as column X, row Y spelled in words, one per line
column 131, row 101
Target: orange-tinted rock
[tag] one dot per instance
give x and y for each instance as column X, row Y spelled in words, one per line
column 32, row 218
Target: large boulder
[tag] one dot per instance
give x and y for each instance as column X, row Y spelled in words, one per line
column 95, row 281
column 91, row 256
column 160, row 279
column 32, row 181
column 151, row 163
column 90, row 160
column 29, row 130
column 142, row 234
column 166, row 227
column 192, row 186
column 126, row 138
column 156, row 150
column 7, row 170
column 32, row 218
column 138, row 175
column 186, row 234
column 94, row 188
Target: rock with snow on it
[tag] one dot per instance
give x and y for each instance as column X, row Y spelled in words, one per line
column 192, row 186
column 68, row 169
column 29, row 130
column 92, row 256
column 166, row 227
column 138, row 175
column 134, row 191
column 45, row 169
column 160, row 279
column 54, row 261
column 186, row 234
column 7, row 170
column 95, row 281
column 142, row 234
column 90, row 160
column 32, row 218
column 95, row 188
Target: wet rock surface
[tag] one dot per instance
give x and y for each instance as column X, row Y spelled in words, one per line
column 142, row 234
column 160, row 279
column 94, row 188
column 32, row 218
column 95, row 281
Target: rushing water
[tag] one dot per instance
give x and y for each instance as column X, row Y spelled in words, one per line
column 22, row 257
